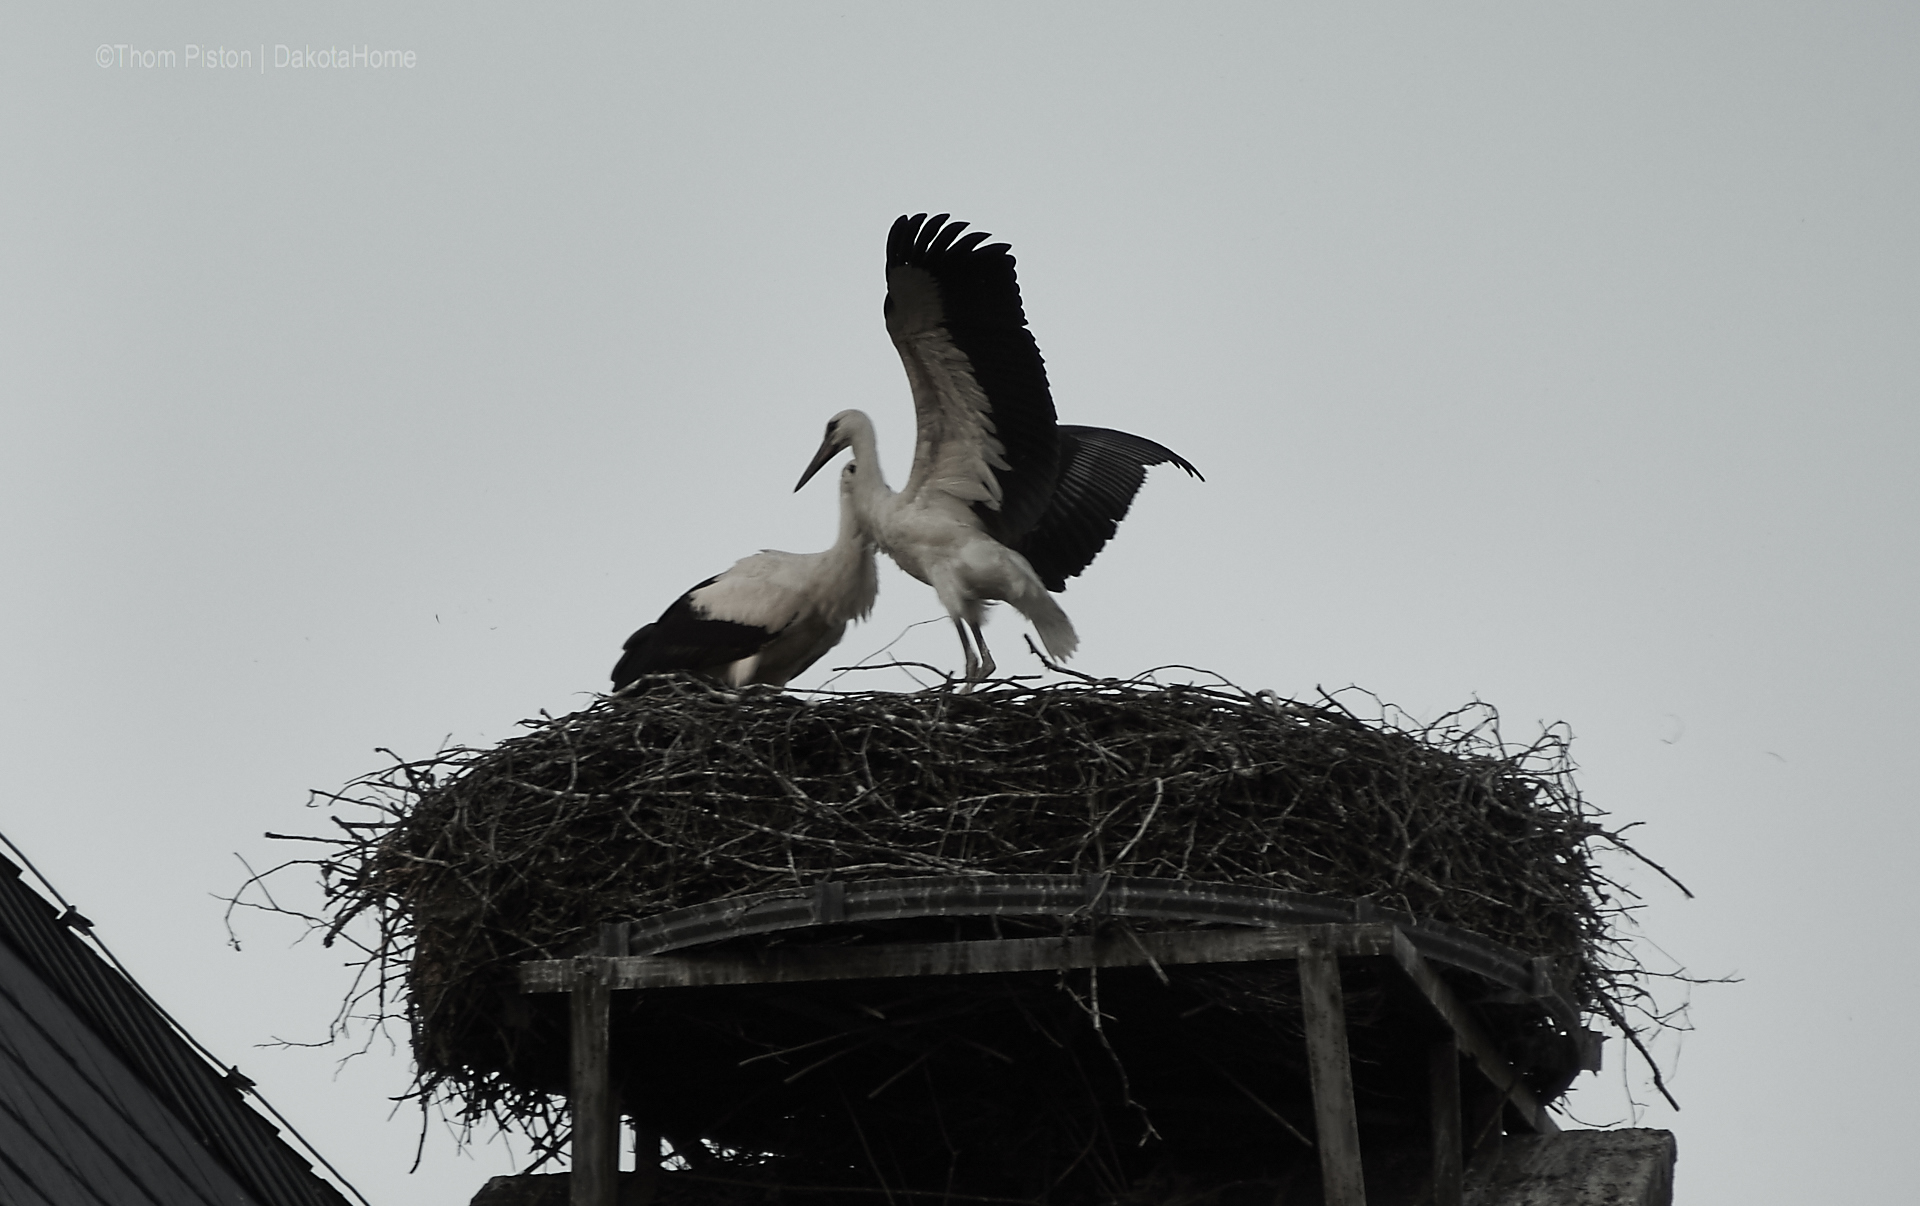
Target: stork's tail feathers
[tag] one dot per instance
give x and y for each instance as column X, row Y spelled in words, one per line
column 1055, row 629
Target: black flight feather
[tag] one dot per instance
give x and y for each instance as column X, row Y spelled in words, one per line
column 1100, row 472
column 981, row 311
column 682, row 640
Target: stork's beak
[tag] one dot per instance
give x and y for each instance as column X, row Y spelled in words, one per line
column 828, row 449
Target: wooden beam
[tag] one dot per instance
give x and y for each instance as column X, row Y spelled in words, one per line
column 613, row 937
column 1472, row 1039
column 1443, row 1087
column 795, row 964
column 1331, row 1070
column 596, row 1123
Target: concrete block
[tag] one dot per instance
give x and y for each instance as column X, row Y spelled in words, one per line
column 1576, row 1168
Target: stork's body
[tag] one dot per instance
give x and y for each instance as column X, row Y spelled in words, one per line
column 1002, row 503
column 766, row 619
column 938, row 538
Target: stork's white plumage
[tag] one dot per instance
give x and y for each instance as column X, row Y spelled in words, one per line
column 1003, row 503
column 766, row 619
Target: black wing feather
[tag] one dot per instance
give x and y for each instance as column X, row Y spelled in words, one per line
column 1100, row 472
column 682, row 640
column 980, row 308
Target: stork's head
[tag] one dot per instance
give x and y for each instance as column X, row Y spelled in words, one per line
column 840, row 431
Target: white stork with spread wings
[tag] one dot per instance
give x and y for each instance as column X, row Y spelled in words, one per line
column 1003, row 502
column 768, row 617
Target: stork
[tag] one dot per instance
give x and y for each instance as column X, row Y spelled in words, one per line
column 1003, row 502
column 766, row 619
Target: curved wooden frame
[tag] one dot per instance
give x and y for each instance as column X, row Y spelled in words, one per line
column 834, row 902
column 658, row 952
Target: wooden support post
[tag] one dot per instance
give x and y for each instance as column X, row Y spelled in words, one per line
column 1443, row 1080
column 596, row 1123
column 1478, row 1045
column 1331, row 1071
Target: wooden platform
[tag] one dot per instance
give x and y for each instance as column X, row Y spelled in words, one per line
column 690, row 949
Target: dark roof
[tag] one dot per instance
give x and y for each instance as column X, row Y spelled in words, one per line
column 103, row 1102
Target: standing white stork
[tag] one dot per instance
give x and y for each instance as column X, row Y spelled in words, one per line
column 767, row 618
column 1003, row 502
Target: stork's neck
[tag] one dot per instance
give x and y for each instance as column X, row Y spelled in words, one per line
column 871, row 494
column 852, row 541
column 850, row 561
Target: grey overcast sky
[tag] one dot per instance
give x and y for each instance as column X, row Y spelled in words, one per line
column 1562, row 356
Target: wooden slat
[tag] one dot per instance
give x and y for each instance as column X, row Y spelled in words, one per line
column 832, row 902
column 613, row 938
column 596, row 1124
column 1472, row 1039
column 795, row 964
column 1443, row 1083
column 1331, row 1071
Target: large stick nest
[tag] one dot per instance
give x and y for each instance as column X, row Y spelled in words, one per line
column 476, row 860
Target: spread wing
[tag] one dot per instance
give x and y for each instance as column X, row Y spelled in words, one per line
column 1100, row 472
column 986, row 431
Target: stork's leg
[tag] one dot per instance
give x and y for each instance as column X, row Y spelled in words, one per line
column 986, row 666
column 966, row 647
